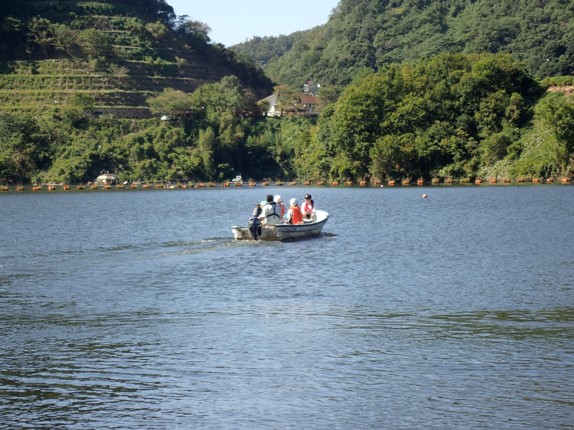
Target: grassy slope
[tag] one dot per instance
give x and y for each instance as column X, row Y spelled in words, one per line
column 138, row 65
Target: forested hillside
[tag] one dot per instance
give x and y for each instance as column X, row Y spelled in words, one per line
column 374, row 33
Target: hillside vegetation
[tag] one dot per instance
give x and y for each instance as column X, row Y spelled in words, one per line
column 373, row 33
column 84, row 85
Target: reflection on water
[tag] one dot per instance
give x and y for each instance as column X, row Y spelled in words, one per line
column 454, row 311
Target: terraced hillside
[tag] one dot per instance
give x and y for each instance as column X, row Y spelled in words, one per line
column 118, row 53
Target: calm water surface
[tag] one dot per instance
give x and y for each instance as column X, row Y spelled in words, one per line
column 135, row 309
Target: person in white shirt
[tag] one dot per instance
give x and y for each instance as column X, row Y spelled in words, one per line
column 271, row 214
column 280, row 206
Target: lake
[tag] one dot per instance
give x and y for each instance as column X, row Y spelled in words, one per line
column 136, row 309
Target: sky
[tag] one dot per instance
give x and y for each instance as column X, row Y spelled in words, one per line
column 233, row 21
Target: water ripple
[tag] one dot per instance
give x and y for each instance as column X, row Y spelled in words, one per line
column 419, row 313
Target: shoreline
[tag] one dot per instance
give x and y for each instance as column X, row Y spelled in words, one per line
column 334, row 184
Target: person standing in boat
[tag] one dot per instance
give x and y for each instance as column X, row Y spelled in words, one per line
column 294, row 215
column 254, row 222
column 308, row 208
column 270, row 215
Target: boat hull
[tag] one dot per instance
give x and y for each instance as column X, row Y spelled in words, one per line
column 284, row 232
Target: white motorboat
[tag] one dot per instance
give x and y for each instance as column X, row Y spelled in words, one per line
column 284, row 231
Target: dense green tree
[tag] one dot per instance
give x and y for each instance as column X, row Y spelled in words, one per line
column 226, row 96
column 193, row 30
column 547, row 149
column 206, row 143
column 357, row 120
column 446, row 116
column 24, row 148
column 556, row 111
column 173, row 103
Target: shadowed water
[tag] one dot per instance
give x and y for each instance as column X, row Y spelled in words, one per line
column 136, row 309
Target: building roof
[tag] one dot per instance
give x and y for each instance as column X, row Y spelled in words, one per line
column 309, row 100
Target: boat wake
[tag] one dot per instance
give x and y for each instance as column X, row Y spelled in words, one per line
column 201, row 246
column 329, row 236
column 174, row 248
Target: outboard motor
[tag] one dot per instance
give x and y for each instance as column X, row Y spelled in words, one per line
column 255, row 227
